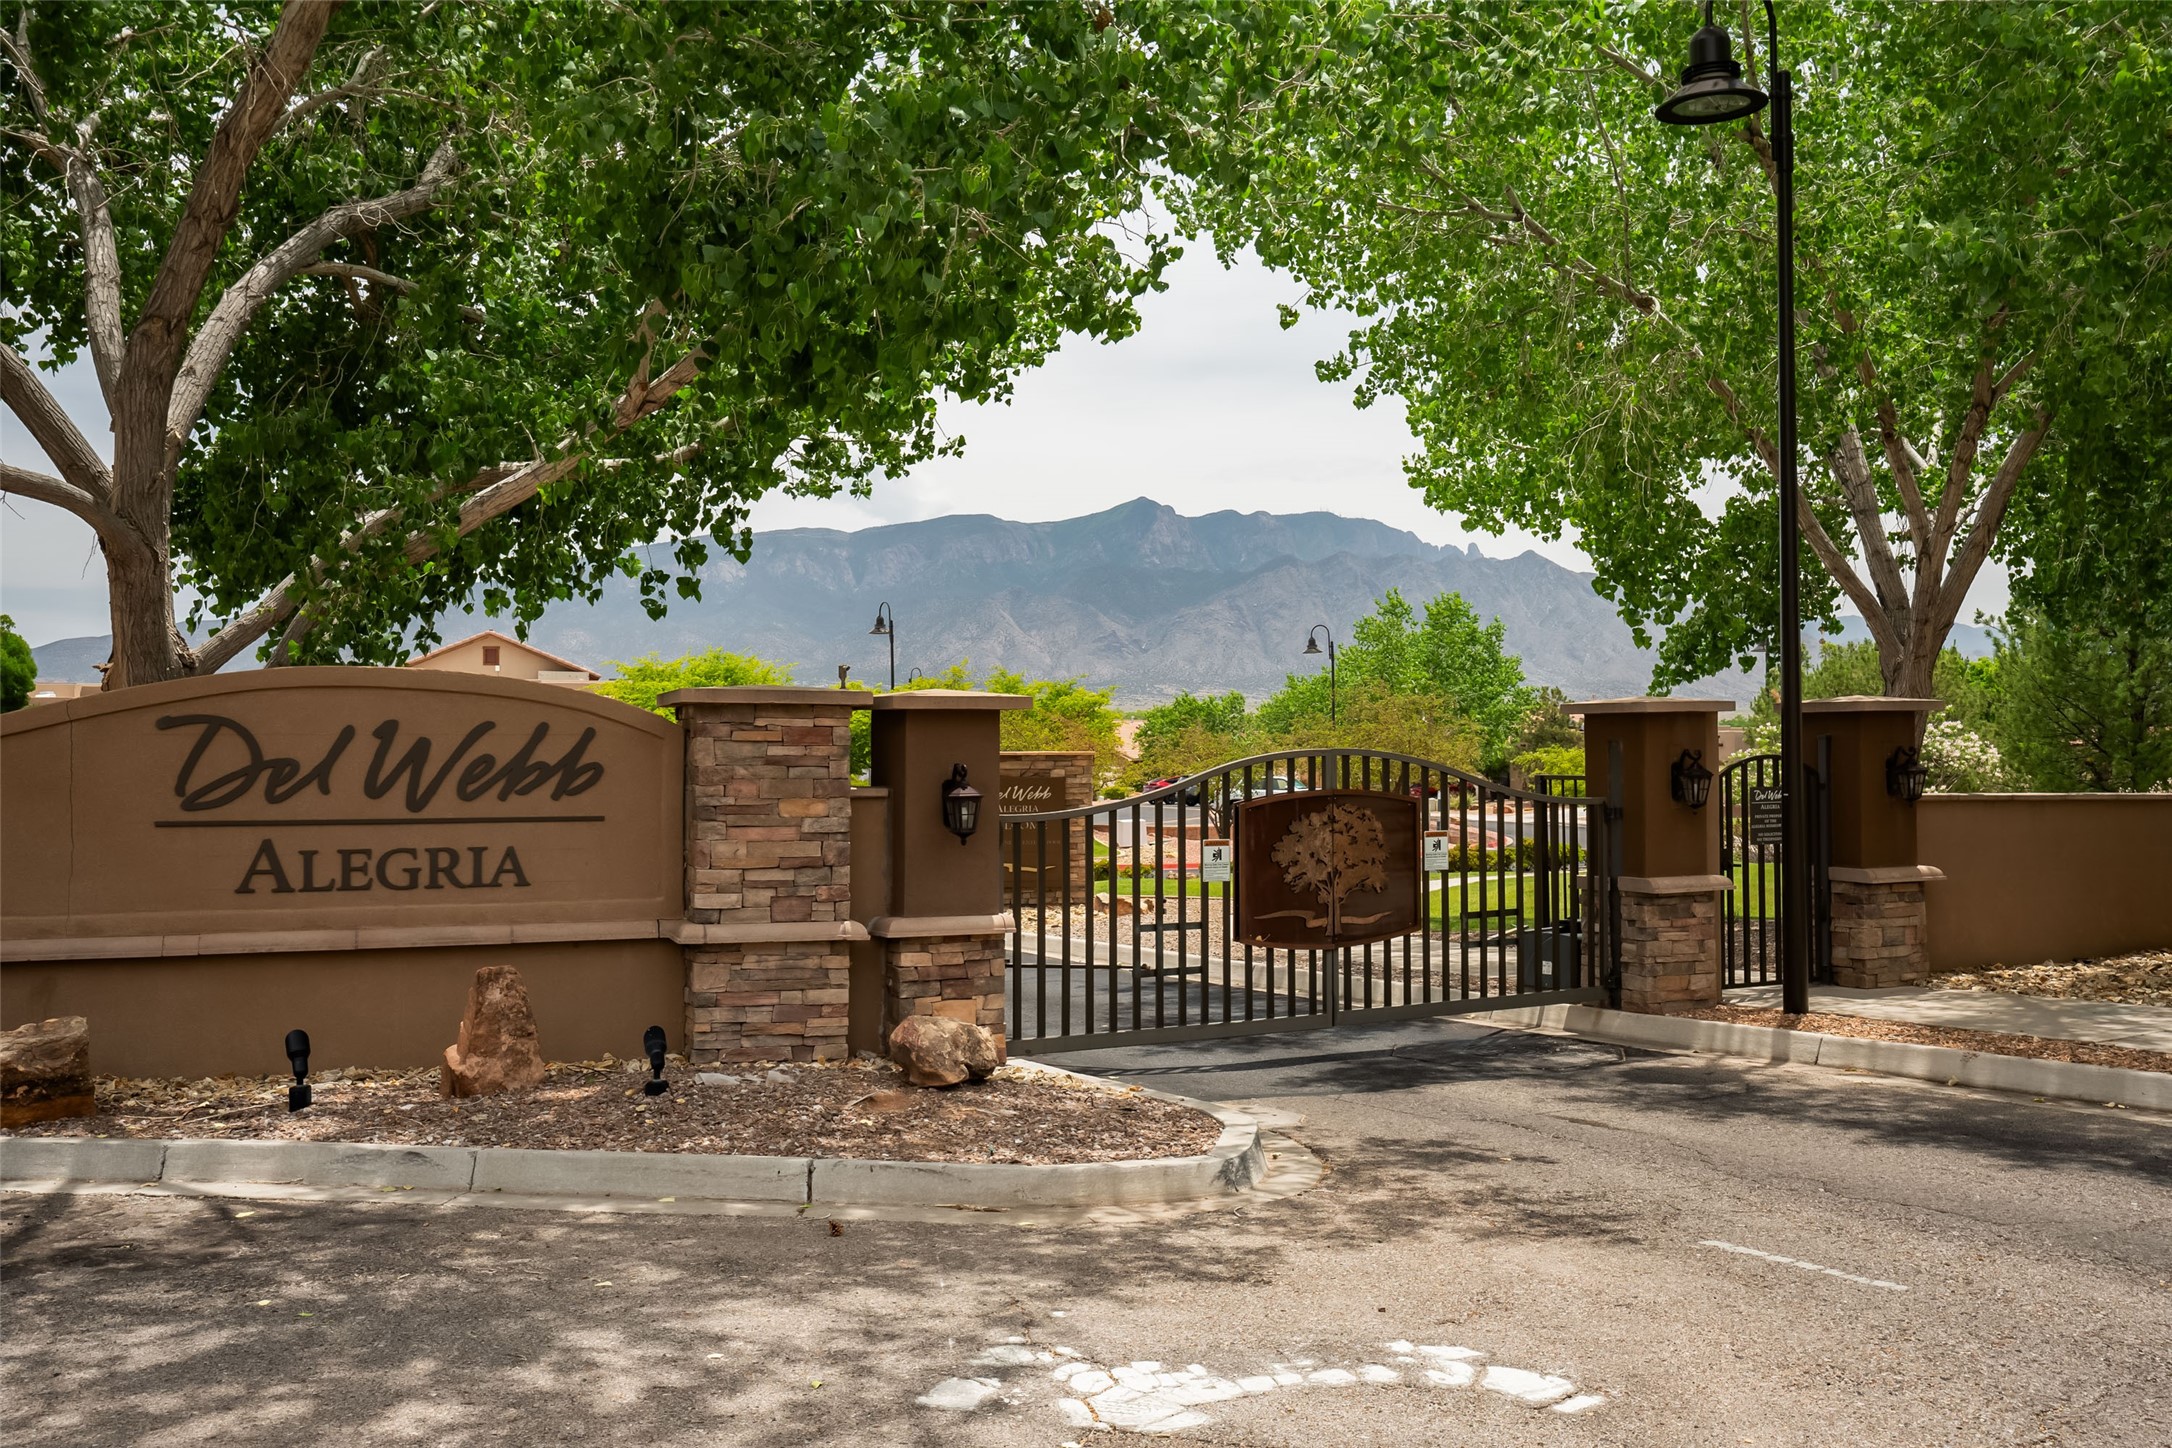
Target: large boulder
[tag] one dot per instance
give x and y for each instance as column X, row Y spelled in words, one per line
column 45, row 1071
column 497, row 1050
column 938, row 1051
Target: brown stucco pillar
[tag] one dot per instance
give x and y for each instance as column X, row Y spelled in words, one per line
column 943, row 935
column 768, row 928
column 1036, row 781
column 1670, row 880
column 1878, row 908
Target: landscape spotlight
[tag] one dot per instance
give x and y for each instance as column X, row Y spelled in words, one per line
column 652, row 1041
column 1712, row 88
column 961, row 805
column 1905, row 775
column 1689, row 781
column 298, row 1058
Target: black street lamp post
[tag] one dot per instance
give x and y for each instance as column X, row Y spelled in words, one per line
column 1312, row 646
column 1713, row 91
column 886, row 626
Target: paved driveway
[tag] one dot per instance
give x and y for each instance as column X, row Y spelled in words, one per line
column 1720, row 1254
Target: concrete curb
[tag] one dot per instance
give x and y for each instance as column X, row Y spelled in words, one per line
column 2063, row 1080
column 1237, row 1161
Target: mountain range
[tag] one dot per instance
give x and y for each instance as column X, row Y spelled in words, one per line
column 1138, row 597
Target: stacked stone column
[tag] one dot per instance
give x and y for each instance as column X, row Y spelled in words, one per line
column 1669, row 871
column 1879, row 910
column 767, row 926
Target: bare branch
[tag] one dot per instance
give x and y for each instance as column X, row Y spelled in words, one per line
column 376, row 278
column 94, row 216
column 46, row 488
column 367, row 71
column 222, row 330
column 1990, row 513
column 1851, row 470
column 52, row 429
column 1843, row 573
column 162, row 329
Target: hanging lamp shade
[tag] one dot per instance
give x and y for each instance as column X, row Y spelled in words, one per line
column 1712, row 88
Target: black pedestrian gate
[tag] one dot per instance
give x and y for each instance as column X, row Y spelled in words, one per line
column 1125, row 923
column 1753, row 855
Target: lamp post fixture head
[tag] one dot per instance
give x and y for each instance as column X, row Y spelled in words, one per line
column 1905, row 775
column 1312, row 640
column 1688, row 780
column 653, row 1043
column 885, row 621
column 1712, row 88
column 298, row 1058
column 961, row 805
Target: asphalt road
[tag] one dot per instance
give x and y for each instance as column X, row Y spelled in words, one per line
column 1546, row 1203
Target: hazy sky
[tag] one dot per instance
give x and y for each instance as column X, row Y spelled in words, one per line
column 1210, row 405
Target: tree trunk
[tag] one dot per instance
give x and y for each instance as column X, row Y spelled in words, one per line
column 146, row 644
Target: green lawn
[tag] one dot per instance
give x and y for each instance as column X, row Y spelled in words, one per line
column 1452, row 899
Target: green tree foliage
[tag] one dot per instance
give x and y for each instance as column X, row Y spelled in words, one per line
column 18, row 667
column 1373, row 714
column 641, row 682
column 1574, row 303
column 2085, row 663
column 1065, row 715
column 1842, row 670
column 397, row 307
column 1446, row 656
column 2086, row 705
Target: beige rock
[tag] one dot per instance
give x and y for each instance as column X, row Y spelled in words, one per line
column 497, row 1050
column 938, row 1051
column 45, row 1071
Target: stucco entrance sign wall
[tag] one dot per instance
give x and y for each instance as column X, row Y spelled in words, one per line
column 290, row 800
column 1327, row 868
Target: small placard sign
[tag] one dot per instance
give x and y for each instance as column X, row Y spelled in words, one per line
column 1434, row 851
column 1765, row 813
column 1216, row 859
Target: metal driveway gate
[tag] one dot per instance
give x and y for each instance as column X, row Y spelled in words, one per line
column 1123, row 932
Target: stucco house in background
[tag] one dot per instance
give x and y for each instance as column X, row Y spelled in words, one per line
column 491, row 652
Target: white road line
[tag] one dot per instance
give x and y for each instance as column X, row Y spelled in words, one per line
column 1805, row 1266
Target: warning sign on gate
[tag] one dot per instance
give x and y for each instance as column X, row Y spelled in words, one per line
column 1435, row 853
column 1215, row 862
column 1765, row 813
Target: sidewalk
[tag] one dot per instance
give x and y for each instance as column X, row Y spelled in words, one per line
column 2142, row 1028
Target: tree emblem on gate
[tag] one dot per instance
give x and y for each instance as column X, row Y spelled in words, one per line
column 1333, row 852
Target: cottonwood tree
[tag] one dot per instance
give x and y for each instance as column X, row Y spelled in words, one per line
column 394, row 306
column 1576, row 303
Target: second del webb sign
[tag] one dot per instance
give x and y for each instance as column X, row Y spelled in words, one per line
column 326, row 798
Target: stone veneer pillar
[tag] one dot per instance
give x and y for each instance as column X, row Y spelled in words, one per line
column 1669, row 871
column 1878, row 907
column 944, row 935
column 767, row 928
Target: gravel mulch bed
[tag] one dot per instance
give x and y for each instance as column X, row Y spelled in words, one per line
column 2143, row 978
column 858, row 1109
column 1997, row 1043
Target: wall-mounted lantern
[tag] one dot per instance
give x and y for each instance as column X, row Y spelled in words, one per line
column 652, row 1041
column 1688, row 780
column 1905, row 775
column 961, row 805
column 298, row 1058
